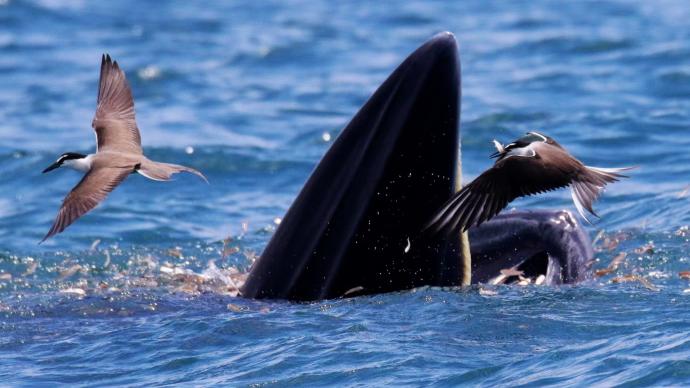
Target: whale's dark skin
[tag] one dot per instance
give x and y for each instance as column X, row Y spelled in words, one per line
column 388, row 171
column 357, row 225
column 549, row 243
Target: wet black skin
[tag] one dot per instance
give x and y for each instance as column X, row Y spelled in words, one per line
column 356, row 226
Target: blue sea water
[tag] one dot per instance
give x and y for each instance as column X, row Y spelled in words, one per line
column 253, row 93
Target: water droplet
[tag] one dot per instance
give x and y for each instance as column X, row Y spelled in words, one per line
column 264, row 51
column 136, row 30
column 149, row 72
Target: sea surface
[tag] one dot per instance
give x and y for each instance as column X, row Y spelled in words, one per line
column 140, row 290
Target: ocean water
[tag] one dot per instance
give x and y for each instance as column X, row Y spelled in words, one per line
column 140, row 291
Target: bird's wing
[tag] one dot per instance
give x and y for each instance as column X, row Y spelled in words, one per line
column 488, row 194
column 91, row 190
column 114, row 122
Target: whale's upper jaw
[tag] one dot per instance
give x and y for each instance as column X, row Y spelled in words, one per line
column 393, row 165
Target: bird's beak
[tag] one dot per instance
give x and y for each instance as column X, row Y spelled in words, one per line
column 51, row 167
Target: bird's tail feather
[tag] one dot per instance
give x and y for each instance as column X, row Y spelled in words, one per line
column 609, row 175
column 587, row 190
column 163, row 171
column 583, row 199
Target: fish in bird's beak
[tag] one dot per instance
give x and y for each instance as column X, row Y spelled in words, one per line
column 52, row 167
column 499, row 149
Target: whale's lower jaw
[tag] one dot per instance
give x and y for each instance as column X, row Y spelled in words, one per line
column 544, row 243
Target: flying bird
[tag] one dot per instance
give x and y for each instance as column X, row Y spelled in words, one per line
column 532, row 164
column 118, row 151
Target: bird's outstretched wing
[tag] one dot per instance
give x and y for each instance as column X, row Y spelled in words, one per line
column 91, row 190
column 491, row 192
column 114, row 122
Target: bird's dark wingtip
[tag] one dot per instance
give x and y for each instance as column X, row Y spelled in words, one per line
column 426, row 227
column 107, row 61
column 432, row 228
column 52, row 232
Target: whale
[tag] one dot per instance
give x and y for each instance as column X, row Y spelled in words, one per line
column 537, row 243
column 356, row 227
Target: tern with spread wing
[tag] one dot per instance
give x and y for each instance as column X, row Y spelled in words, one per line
column 118, row 151
column 532, row 164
